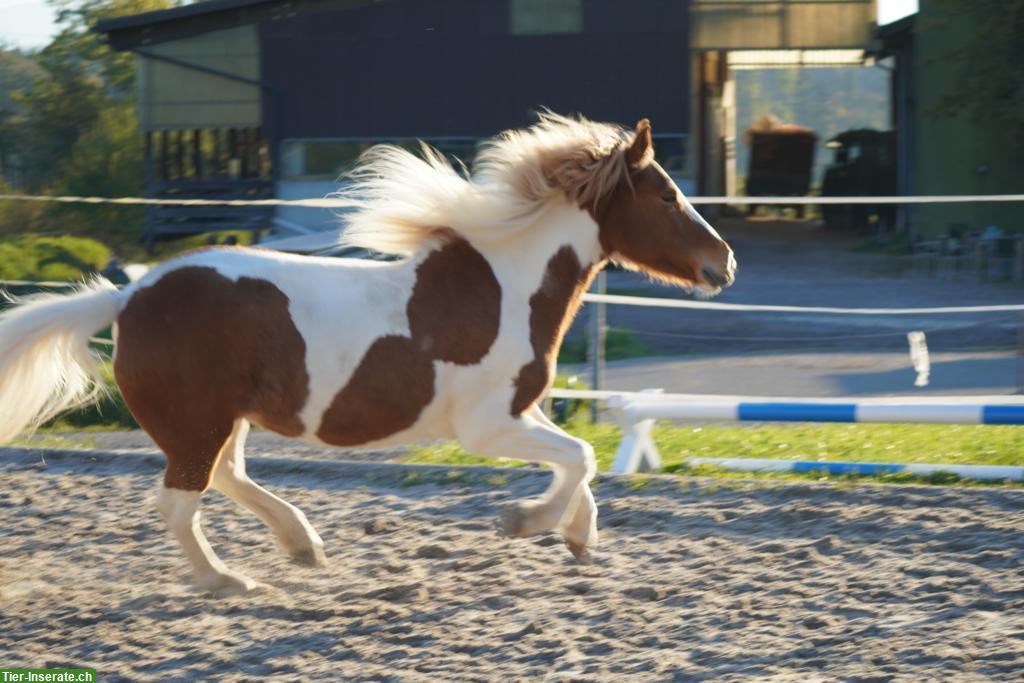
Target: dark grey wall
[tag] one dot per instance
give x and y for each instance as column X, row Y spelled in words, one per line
column 429, row 68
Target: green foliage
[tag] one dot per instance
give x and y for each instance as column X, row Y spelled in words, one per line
column 105, row 161
column 573, row 350
column 77, row 42
column 450, row 453
column 19, row 217
column 17, row 72
column 107, row 158
column 82, row 79
column 899, row 244
column 618, row 345
column 51, row 258
column 566, row 409
column 73, row 127
column 14, row 262
column 57, row 108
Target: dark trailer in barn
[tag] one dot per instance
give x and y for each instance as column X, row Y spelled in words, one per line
column 263, row 98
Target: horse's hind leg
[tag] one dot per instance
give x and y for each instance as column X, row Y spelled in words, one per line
column 180, row 509
column 192, row 452
column 289, row 524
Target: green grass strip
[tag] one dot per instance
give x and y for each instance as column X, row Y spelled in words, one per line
column 945, row 444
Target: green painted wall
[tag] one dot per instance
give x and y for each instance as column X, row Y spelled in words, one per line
column 173, row 97
column 953, row 153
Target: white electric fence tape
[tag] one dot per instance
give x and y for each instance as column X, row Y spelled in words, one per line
column 337, row 203
column 758, row 308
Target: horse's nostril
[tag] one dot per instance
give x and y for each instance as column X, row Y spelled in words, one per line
column 714, row 278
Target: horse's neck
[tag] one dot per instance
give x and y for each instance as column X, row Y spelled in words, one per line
column 549, row 266
column 570, row 283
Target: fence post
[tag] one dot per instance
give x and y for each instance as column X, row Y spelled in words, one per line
column 1020, row 354
column 1018, row 261
column 595, row 350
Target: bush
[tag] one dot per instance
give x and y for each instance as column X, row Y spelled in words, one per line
column 14, row 262
column 51, row 258
column 566, row 409
column 20, row 217
column 618, row 345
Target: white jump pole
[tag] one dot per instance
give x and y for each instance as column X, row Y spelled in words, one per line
column 637, row 412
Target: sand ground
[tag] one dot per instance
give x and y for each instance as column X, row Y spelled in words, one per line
column 694, row 580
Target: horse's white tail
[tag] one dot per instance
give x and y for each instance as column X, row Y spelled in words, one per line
column 46, row 365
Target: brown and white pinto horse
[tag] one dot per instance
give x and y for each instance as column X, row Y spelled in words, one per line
column 458, row 340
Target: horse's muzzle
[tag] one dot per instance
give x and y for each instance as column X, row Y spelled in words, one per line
column 716, row 279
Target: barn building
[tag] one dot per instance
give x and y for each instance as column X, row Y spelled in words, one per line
column 939, row 152
column 275, row 98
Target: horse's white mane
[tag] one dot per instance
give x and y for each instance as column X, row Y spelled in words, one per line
column 402, row 202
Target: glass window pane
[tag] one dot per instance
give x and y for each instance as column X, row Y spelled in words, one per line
column 329, row 159
column 538, row 17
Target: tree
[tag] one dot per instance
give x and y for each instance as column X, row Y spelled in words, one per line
column 75, row 129
column 17, row 72
column 105, row 161
column 77, row 42
column 84, row 76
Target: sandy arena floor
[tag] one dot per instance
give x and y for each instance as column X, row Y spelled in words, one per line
column 695, row 580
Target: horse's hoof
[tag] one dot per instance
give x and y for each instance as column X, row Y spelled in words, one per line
column 312, row 556
column 227, row 584
column 580, row 551
column 513, row 521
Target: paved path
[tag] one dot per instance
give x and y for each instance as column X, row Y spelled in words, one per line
column 792, row 263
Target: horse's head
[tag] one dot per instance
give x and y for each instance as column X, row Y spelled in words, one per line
column 647, row 223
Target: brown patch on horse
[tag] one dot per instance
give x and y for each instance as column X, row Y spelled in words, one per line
column 387, row 392
column 552, row 308
column 454, row 312
column 197, row 350
column 455, row 305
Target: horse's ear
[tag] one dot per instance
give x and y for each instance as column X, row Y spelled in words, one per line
column 641, row 151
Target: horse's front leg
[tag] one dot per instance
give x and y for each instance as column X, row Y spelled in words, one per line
column 532, row 437
column 580, row 521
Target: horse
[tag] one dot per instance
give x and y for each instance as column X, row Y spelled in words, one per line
column 457, row 338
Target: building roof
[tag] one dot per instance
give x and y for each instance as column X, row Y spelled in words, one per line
column 173, row 14
column 893, row 37
column 128, row 32
column 898, row 27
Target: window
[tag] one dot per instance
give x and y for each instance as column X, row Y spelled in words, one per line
column 328, row 159
column 540, row 17
column 671, row 151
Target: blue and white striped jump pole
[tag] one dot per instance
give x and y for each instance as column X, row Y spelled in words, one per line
column 960, row 412
column 842, row 469
column 636, row 415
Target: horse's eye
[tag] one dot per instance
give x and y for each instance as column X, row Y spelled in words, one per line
column 670, row 198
